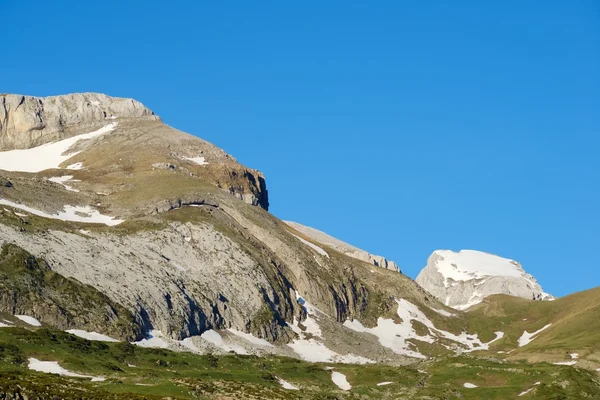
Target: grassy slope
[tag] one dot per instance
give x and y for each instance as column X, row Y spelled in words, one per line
column 575, row 325
column 185, row 376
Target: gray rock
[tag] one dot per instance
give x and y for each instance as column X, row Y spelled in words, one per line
column 461, row 280
column 343, row 247
column 27, row 121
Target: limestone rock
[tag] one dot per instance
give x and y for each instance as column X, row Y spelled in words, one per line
column 461, row 280
column 27, row 121
column 343, row 247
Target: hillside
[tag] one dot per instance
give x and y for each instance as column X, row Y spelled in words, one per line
column 116, row 227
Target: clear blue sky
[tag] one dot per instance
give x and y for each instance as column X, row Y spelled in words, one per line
column 401, row 127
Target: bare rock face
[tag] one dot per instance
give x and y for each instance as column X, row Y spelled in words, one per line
column 461, row 280
column 343, row 247
column 27, row 121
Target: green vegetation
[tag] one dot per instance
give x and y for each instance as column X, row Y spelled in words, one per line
column 132, row 372
column 29, row 286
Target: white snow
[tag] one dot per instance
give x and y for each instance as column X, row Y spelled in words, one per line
column 287, row 385
column 574, row 356
column 312, row 246
column 52, row 367
column 29, row 320
column 154, row 339
column 250, row 338
column 61, row 180
column 91, row 335
column 47, row 156
column 395, row 336
column 340, row 380
column 469, row 385
column 384, row 383
column 70, row 213
column 215, row 338
column 471, row 264
column 309, row 348
column 525, row 392
column 527, row 337
column 196, row 160
column 76, row 166
column 3, row 325
column 573, row 362
column 443, row 312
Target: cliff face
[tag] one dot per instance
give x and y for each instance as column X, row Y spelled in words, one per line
column 27, row 121
column 461, row 280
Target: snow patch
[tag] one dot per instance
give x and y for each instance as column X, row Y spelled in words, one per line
column 250, row 338
column 527, row 337
column 469, row 385
column 75, row 167
column 61, row 180
column 384, row 383
column 312, row 246
column 70, row 213
column 573, row 362
column 574, row 356
column 196, row 160
column 94, row 336
column 47, row 156
column 443, row 312
column 154, row 339
column 286, row 384
column 29, row 320
column 312, row 350
column 340, row 380
column 215, row 338
column 52, row 367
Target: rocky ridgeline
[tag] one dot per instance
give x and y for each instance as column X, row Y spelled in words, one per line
column 27, row 121
column 345, row 248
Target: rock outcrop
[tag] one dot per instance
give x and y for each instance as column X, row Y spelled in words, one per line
column 27, row 121
column 461, row 280
column 343, row 247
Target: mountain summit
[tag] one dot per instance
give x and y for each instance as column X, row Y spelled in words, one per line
column 461, row 280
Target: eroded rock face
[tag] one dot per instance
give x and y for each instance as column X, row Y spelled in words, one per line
column 461, row 280
column 343, row 247
column 27, row 121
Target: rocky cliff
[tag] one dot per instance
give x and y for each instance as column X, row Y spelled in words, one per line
column 27, row 121
column 461, row 280
column 343, row 247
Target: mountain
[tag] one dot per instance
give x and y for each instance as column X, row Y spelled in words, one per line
column 461, row 280
column 343, row 247
column 138, row 261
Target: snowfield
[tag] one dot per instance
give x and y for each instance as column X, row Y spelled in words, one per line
column 47, row 156
column 395, row 336
column 471, row 264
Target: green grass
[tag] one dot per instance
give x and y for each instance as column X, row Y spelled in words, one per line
column 161, row 373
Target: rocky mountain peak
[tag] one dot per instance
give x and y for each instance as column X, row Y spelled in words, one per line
column 28, row 121
column 463, row 279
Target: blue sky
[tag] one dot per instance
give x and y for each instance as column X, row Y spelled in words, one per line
column 400, row 127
